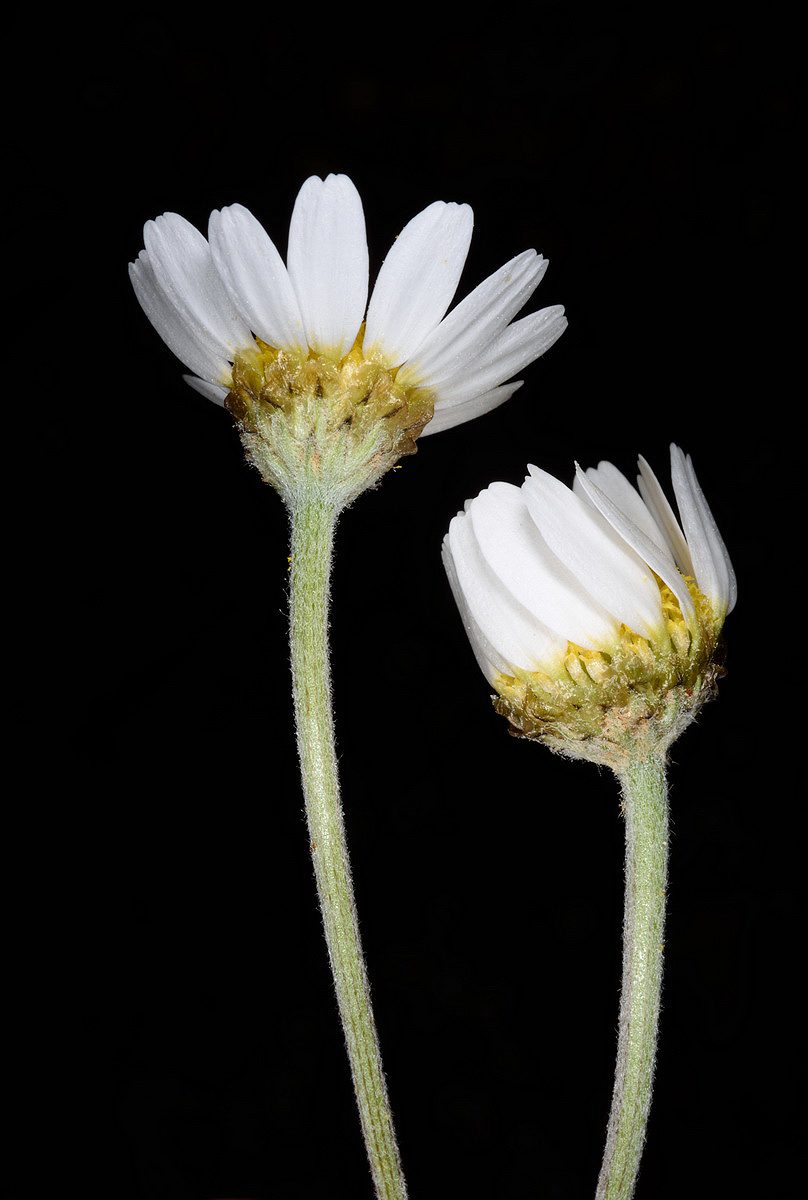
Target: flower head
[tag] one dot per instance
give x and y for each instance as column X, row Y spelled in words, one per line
column 595, row 616
column 297, row 353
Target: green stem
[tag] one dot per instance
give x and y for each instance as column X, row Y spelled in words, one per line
column 645, row 806
column 313, row 521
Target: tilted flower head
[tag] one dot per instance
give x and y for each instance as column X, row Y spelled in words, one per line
column 593, row 614
column 301, row 359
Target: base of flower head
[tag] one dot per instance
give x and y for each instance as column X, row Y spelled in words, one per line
column 605, row 707
column 309, row 420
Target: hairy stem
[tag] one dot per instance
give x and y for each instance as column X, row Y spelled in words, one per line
column 313, row 520
column 645, row 806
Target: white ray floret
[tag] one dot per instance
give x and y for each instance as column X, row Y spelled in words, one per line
column 711, row 562
column 471, row 327
column 613, row 484
column 510, row 633
column 517, row 345
column 418, row 280
column 210, row 391
column 659, row 506
column 328, row 262
column 638, row 529
column 197, row 353
column 256, row 277
column 602, row 561
column 185, row 271
column 448, row 415
column 526, row 567
column 209, row 299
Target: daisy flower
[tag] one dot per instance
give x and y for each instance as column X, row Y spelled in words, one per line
column 595, row 615
column 263, row 336
column 586, row 600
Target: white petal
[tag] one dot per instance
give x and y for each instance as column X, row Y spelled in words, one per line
column 417, row 281
column 448, row 415
column 598, row 558
column 184, row 269
column 328, row 262
column 653, row 495
column 716, row 539
column 713, row 571
column 209, row 390
column 625, row 498
column 255, row 277
column 526, row 567
column 477, row 319
column 180, row 338
column 475, row 636
column 511, row 637
column 648, row 548
column 513, row 349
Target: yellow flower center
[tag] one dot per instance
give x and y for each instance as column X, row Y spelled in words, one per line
column 630, row 683
column 355, row 391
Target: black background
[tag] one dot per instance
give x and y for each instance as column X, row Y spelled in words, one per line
column 174, row 1027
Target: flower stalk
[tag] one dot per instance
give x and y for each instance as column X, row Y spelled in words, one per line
column 645, row 809
column 313, row 519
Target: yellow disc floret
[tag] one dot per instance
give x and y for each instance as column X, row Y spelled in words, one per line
column 597, row 702
column 348, row 420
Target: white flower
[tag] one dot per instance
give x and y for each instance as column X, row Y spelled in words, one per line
column 210, row 300
column 591, row 581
